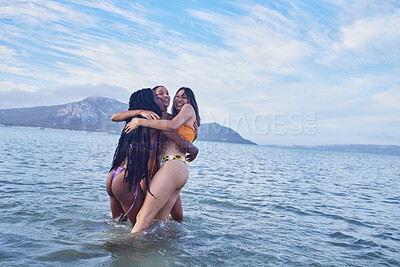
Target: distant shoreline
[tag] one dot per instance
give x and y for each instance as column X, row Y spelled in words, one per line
column 393, row 150
column 56, row 129
column 93, row 114
column 97, row 132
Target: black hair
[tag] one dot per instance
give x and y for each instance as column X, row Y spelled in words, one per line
column 134, row 147
column 191, row 100
column 156, row 87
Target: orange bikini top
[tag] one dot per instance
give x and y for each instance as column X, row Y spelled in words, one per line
column 187, row 133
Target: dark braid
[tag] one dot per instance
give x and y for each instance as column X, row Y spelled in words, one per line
column 134, row 147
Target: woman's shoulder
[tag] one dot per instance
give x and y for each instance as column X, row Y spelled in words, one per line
column 189, row 114
column 188, row 107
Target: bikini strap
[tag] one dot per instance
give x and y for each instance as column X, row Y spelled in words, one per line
column 133, row 204
column 154, row 145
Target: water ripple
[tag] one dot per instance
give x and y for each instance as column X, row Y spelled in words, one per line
column 289, row 207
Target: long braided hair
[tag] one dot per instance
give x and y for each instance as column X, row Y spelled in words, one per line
column 134, row 147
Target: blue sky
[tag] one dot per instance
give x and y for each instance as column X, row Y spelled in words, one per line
column 278, row 72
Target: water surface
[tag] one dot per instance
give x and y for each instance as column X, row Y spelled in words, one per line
column 243, row 205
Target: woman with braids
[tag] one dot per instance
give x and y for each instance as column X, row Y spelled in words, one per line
column 136, row 159
column 173, row 173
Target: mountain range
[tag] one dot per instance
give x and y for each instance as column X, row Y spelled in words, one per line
column 93, row 114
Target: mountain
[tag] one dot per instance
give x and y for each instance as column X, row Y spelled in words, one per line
column 91, row 114
column 217, row 133
column 94, row 114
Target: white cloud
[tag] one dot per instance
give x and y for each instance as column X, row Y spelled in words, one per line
column 371, row 31
column 11, row 69
column 34, row 13
column 263, row 61
column 389, row 99
column 133, row 12
column 6, row 52
column 22, row 95
column 6, row 87
column 263, row 40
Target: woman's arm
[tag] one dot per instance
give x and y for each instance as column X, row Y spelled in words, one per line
column 123, row 115
column 183, row 116
column 182, row 144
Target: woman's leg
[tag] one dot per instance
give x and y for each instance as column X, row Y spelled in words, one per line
column 164, row 212
column 116, row 208
column 177, row 211
column 126, row 198
column 165, row 186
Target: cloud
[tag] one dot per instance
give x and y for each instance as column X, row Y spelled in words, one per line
column 55, row 96
column 11, row 69
column 6, row 52
column 263, row 40
column 377, row 31
column 331, row 58
column 35, row 13
column 389, row 99
column 390, row 138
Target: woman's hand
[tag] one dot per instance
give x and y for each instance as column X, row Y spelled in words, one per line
column 132, row 125
column 148, row 114
column 192, row 153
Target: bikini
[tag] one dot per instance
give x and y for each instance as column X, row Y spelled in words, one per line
column 118, row 170
column 187, row 133
column 173, row 157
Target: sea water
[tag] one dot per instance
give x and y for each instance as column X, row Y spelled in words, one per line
column 243, row 205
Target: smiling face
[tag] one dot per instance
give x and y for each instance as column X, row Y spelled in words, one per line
column 159, row 102
column 180, row 99
column 163, row 93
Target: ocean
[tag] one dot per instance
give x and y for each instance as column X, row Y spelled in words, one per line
column 243, row 205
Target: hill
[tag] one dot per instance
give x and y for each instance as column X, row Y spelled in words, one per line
column 217, row 133
column 93, row 114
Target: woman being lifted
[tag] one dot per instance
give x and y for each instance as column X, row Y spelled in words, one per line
column 173, row 173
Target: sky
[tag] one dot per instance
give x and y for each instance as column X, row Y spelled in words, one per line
column 279, row 72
